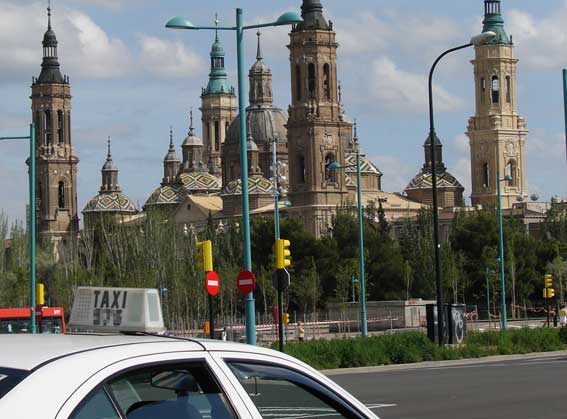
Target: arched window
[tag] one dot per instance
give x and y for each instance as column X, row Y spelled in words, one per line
column 59, row 127
column 301, row 169
column 482, row 89
column 61, row 195
column 68, row 127
column 217, row 136
column 297, row 82
column 327, row 81
column 226, row 124
column 311, row 81
column 47, row 128
column 330, row 174
column 485, row 175
column 37, row 128
column 508, row 89
column 511, row 171
column 495, row 90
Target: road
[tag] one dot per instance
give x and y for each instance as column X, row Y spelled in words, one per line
column 529, row 388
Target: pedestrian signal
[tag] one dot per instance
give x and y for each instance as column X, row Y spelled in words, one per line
column 283, row 254
column 548, row 280
column 204, row 256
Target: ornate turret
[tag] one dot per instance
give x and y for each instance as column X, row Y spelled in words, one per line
column 494, row 22
column 438, row 155
column 312, row 14
column 260, row 78
column 109, row 174
column 192, row 149
column 170, row 163
column 50, row 68
column 218, row 82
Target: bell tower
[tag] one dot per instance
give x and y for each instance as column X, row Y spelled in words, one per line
column 317, row 132
column 56, row 163
column 497, row 132
column 218, row 107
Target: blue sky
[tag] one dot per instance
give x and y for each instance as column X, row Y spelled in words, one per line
column 131, row 79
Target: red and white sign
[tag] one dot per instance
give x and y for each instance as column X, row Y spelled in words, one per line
column 212, row 282
column 246, row 282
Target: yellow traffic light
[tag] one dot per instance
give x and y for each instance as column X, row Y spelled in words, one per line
column 545, row 293
column 204, row 256
column 283, row 253
column 548, row 280
column 550, row 293
column 39, row 294
column 285, row 318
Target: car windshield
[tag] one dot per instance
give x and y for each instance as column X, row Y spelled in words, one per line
column 9, row 378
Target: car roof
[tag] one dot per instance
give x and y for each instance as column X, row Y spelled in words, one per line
column 28, row 352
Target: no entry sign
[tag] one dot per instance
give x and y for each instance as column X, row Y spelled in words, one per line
column 212, row 282
column 246, row 282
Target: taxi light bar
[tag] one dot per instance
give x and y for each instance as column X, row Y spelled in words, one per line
column 113, row 310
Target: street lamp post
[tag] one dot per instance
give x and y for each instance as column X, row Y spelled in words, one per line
column 285, row 19
column 475, row 40
column 501, row 247
column 32, row 205
column 335, row 166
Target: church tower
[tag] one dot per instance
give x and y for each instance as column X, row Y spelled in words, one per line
column 497, row 133
column 317, row 131
column 56, row 163
column 218, row 107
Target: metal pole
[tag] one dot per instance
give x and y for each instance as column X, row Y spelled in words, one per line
column 277, row 234
column 487, row 296
column 353, row 290
column 32, row 226
column 440, row 316
column 211, row 318
column 363, row 325
column 565, row 106
column 250, row 306
column 501, row 249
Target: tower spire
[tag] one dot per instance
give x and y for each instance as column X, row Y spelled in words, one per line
column 312, row 14
column 259, row 49
column 108, row 155
column 493, row 21
column 48, row 14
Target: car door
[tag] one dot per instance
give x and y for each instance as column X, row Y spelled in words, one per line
column 277, row 387
column 180, row 385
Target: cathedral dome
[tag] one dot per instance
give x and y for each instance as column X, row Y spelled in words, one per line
column 257, row 185
column 168, row 194
column 200, row 182
column 423, row 181
column 192, row 139
column 110, row 202
column 262, row 123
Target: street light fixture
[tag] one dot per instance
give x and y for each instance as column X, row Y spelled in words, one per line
column 336, row 166
column 32, row 205
column 474, row 41
column 285, row 19
column 501, row 249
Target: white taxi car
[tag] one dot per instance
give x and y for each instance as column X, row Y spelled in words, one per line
column 160, row 377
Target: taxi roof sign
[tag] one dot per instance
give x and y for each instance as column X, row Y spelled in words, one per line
column 105, row 309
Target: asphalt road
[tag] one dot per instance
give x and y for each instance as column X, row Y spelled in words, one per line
column 515, row 389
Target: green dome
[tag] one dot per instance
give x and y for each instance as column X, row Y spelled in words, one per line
column 494, row 22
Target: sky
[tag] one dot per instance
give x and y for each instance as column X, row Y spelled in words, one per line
column 131, row 79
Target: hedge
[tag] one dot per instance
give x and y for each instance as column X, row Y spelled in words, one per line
column 411, row 347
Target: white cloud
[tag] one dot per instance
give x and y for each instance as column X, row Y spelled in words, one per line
column 461, row 169
column 540, row 42
column 399, row 90
column 169, row 59
column 397, row 172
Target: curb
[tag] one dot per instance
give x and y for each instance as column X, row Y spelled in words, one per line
column 450, row 363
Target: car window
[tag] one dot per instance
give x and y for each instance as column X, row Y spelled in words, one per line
column 9, row 378
column 282, row 393
column 96, row 406
column 180, row 391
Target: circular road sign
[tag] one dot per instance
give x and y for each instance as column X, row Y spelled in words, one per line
column 246, row 282
column 212, row 282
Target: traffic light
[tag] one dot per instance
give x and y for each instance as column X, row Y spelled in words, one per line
column 285, row 318
column 548, row 280
column 39, row 294
column 283, row 253
column 204, row 256
column 550, row 293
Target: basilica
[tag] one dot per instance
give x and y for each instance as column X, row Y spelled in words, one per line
column 290, row 151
